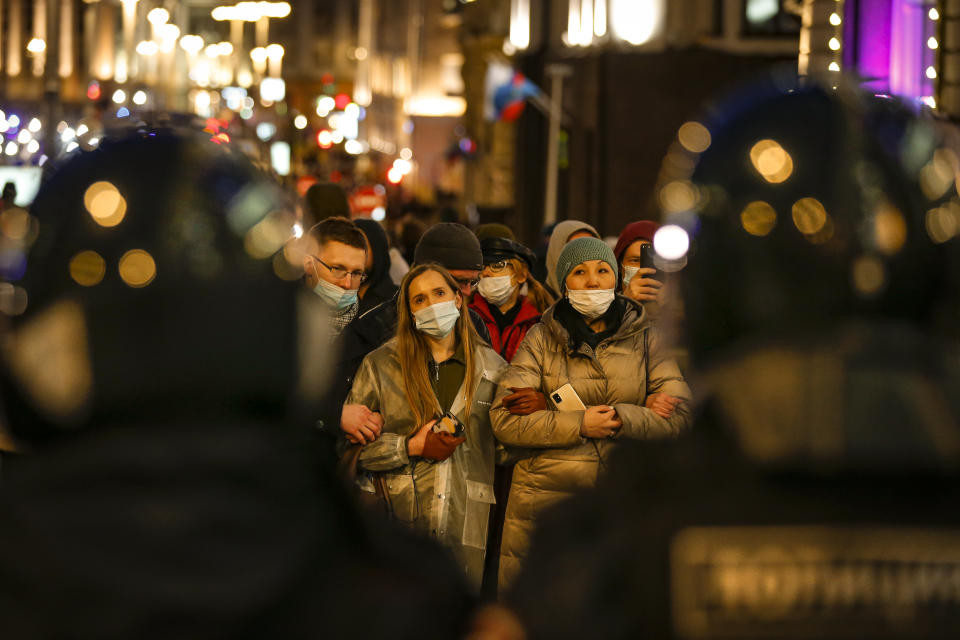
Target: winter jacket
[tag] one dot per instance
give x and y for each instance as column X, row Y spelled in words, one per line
column 621, row 372
column 449, row 500
column 359, row 338
column 815, row 494
column 506, row 343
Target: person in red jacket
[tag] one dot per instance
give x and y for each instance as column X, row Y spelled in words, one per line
column 508, row 298
column 510, row 301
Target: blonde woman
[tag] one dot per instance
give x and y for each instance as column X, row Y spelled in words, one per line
column 440, row 483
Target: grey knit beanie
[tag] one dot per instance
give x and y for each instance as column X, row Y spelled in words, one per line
column 451, row 245
column 581, row 250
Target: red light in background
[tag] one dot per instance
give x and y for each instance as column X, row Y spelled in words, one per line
column 304, row 183
column 341, row 100
column 93, row 90
column 336, row 176
column 326, row 78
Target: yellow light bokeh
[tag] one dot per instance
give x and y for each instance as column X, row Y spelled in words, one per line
column 137, row 268
column 889, row 229
column 677, row 196
column 105, row 204
column 87, row 268
column 943, row 223
column 938, row 175
column 868, row 275
column 771, row 161
column 694, row 137
column 758, row 218
column 15, row 223
column 809, row 216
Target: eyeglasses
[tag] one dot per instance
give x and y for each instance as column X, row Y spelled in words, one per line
column 339, row 273
column 498, row 267
column 466, row 283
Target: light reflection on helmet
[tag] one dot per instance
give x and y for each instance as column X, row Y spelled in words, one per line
column 157, row 283
column 800, row 204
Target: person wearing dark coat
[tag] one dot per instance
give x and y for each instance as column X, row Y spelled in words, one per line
column 165, row 488
column 815, row 495
column 378, row 287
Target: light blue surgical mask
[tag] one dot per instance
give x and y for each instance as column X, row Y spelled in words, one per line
column 437, row 320
column 628, row 273
column 337, row 298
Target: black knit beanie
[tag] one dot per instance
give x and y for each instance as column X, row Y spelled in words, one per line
column 451, row 245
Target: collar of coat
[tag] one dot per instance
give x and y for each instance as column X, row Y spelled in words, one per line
column 634, row 321
column 527, row 312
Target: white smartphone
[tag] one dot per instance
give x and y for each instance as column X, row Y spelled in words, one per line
column 566, row 399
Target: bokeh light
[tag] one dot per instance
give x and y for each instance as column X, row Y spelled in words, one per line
column 679, row 195
column 137, row 268
column 105, row 203
column 868, row 275
column 671, row 242
column 771, row 161
column 694, row 137
column 889, row 229
column 809, row 216
column 87, row 268
column 758, row 218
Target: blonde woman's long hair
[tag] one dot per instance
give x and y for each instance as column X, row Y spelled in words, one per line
column 538, row 296
column 413, row 352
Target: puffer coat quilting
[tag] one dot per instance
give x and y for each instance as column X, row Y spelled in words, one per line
column 623, row 370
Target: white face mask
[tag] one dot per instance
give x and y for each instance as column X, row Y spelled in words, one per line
column 591, row 303
column 628, row 273
column 496, row 290
column 437, row 320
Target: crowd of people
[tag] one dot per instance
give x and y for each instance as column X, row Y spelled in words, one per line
column 447, row 402
column 228, row 429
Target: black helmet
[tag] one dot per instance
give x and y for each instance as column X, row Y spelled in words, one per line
column 158, row 284
column 804, row 204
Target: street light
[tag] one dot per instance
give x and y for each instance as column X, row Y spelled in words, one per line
column 191, row 44
column 158, row 16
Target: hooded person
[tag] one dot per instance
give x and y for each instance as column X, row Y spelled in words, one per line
column 608, row 378
column 563, row 233
column 823, row 464
column 378, row 287
column 166, row 489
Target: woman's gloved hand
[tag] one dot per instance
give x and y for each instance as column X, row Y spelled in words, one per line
column 524, row 401
column 440, row 446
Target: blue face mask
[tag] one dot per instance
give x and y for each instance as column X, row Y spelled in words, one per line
column 337, row 298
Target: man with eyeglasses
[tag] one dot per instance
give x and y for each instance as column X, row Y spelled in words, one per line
column 333, row 268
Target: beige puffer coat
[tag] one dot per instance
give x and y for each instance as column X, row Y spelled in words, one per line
column 621, row 372
column 450, row 500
